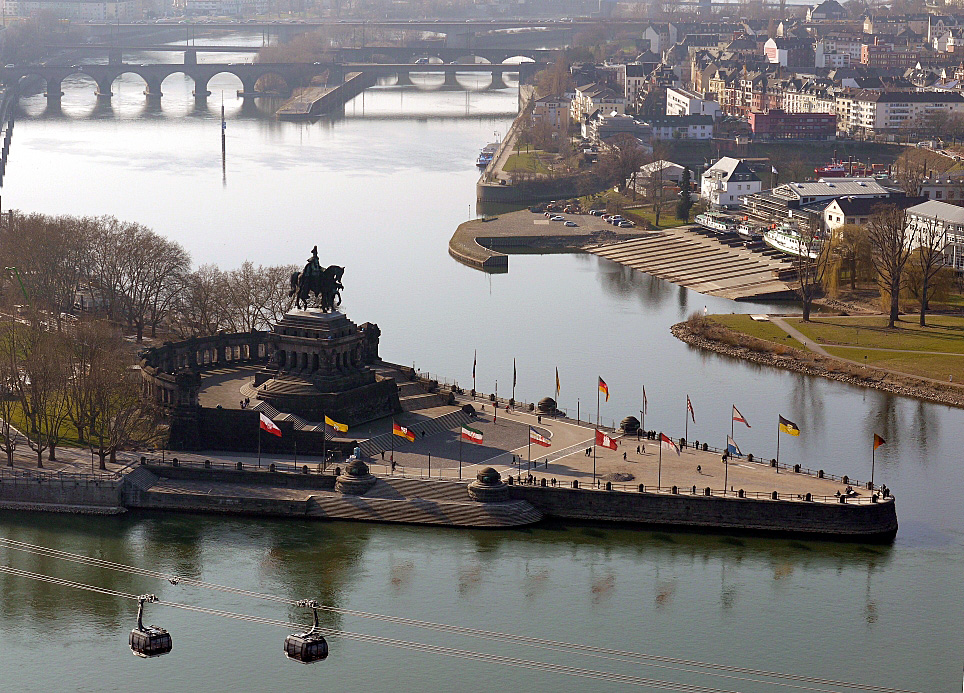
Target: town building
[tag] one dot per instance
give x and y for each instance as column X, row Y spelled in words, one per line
column 681, row 101
column 593, row 97
column 807, row 201
column 724, row 183
column 76, row 10
column 684, row 127
column 867, row 112
column 553, row 111
column 858, row 210
column 790, row 52
column 780, row 125
column 949, row 222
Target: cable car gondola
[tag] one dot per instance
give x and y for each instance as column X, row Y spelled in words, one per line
column 151, row 641
column 309, row 646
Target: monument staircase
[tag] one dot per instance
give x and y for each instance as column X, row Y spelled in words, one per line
column 380, row 443
column 415, row 501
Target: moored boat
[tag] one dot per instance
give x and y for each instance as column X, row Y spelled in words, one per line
column 787, row 238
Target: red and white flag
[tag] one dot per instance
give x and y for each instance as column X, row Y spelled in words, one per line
column 269, row 425
column 737, row 416
column 689, row 408
column 538, row 438
column 666, row 443
column 604, row 441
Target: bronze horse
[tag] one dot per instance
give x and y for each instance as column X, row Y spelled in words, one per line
column 327, row 284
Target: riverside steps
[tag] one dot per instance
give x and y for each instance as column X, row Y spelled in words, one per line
column 680, row 255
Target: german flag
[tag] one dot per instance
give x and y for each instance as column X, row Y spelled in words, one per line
column 604, row 388
column 788, row 427
column 878, row 441
column 403, row 432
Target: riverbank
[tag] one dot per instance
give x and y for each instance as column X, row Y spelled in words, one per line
column 704, row 333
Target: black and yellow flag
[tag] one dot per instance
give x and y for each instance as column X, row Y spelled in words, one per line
column 788, row 427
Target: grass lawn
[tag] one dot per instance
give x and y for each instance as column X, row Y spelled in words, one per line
column 761, row 330
column 527, row 162
column 944, row 333
column 935, row 366
column 69, row 437
column 666, row 219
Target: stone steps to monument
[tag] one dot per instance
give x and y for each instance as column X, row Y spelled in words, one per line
column 397, row 487
column 424, row 400
column 378, row 444
column 422, row 511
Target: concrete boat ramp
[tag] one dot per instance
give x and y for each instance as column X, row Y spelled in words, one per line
column 681, row 255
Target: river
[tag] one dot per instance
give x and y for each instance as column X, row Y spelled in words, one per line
column 380, row 191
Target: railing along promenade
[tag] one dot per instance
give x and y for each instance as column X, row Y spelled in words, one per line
column 446, row 477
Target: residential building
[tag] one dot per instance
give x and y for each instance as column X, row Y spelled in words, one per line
column 553, row 110
column 948, row 220
column 780, row 125
column 858, row 210
column 681, row 101
column 944, row 188
column 75, row 10
column 667, row 170
column 828, row 9
column 590, row 98
column 887, row 56
column 685, row 127
column 808, row 201
column 868, row 112
column 600, row 127
column 790, row 52
column 724, row 183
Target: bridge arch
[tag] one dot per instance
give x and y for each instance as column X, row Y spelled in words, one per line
column 472, row 60
column 223, row 81
column 270, row 81
column 178, row 83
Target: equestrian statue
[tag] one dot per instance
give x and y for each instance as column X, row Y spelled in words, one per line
column 323, row 282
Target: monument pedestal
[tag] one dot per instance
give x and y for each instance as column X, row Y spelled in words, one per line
column 321, row 366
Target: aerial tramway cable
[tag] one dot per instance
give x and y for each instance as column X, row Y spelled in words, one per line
column 658, row 661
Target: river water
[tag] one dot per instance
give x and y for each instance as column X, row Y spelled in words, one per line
column 380, row 191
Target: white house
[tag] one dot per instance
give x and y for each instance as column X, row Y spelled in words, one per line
column 681, row 101
column 726, row 181
column 949, row 221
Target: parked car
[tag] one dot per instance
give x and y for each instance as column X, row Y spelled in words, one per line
column 557, row 218
column 571, row 223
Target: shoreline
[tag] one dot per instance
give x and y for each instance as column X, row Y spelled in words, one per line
column 808, row 363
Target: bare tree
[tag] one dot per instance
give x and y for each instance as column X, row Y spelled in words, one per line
column 153, row 267
column 10, row 377
column 201, row 308
column 890, row 249
column 42, row 389
column 929, row 239
column 852, row 247
column 812, row 261
column 910, row 173
column 119, row 415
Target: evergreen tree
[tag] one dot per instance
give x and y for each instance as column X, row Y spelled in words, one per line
column 685, row 203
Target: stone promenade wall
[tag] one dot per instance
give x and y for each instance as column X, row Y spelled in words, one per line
column 870, row 520
column 49, row 491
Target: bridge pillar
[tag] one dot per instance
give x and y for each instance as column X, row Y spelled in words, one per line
column 103, row 88
column 53, row 92
column 247, row 86
column 201, row 91
column 498, row 80
column 404, row 79
column 190, row 57
column 451, row 80
column 115, row 57
column 153, row 90
column 527, row 72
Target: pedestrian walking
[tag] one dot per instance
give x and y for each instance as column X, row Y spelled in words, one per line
column 699, row 469
column 637, row 449
column 624, row 456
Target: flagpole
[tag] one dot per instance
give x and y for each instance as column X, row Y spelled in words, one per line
column 659, row 467
column 391, row 456
column 295, row 439
column 513, row 382
column 475, row 356
column 778, row 446
column 594, row 434
column 686, row 421
column 259, row 443
column 726, row 465
column 731, row 423
column 873, row 462
column 529, row 454
column 460, row 454
column 324, row 436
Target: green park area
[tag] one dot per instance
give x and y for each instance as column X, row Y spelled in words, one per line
column 761, row 329
column 534, row 161
column 933, row 351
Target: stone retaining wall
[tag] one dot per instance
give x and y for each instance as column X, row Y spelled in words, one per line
column 870, row 521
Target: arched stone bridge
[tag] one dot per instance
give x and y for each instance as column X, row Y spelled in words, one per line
column 249, row 74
